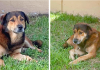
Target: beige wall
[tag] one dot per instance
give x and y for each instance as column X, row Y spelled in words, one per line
column 28, row 6
column 55, row 5
column 81, row 7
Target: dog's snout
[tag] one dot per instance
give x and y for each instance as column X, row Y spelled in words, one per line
column 75, row 40
column 20, row 27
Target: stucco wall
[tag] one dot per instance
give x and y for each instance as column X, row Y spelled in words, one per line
column 82, row 7
column 28, row 6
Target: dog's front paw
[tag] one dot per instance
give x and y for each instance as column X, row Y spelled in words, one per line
column 71, row 57
column 2, row 62
column 28, row 58
column 73, row 62
column 39, row 50
column 21, row 57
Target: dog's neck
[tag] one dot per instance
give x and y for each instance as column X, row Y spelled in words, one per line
column 82, row 44
column 15, row 37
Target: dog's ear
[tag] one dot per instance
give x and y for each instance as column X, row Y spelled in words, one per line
column 4, row 22
column 3, row 19
column 26, row 17
column 74, row 27
column 89, row 28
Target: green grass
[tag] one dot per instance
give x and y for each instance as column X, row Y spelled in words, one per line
column 36, row 30
column 61, row 29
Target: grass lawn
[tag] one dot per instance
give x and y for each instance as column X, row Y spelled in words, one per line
column 61, row 30
column 36, row 30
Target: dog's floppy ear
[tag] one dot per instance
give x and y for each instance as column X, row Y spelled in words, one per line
column 89, row 28
column 3, row 19
column 4, row 22
column 26, row 17
column 74, row 27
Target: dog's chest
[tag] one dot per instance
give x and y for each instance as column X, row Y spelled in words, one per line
column 15, row 38
column 17, row 41
column 81, row 48
column 86, row 47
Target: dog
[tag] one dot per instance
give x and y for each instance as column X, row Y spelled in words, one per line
column 12, row 36
column 86, row 42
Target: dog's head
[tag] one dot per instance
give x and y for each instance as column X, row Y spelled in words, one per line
column 81, row 32
column 14, row 21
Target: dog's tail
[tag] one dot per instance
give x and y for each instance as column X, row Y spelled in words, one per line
column 38, row 43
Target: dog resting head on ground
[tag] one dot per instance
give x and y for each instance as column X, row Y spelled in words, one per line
column 12, row 36
column 85, row 41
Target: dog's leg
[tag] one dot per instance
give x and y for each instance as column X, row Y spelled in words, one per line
column 2, row 52
column 28, row 43
column 72, row 52
column 75, row 51
column 70, row 42
column 91, row 53
column 20, row 57
column 2, row 62
column 17, row 55
column 82, row 58
column 79, row 52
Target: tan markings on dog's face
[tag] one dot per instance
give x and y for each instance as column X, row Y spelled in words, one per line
column 79, row 36
column 16, row 24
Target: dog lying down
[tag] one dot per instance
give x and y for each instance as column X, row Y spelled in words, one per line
column 12, row 36
column 86, row 42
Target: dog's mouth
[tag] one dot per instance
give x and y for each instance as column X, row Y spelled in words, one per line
column 18, row 30
column 76, row 41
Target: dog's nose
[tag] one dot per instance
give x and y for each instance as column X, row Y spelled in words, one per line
column 20, row 27
column 75, row 40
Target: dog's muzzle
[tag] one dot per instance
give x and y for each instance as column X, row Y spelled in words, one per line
column 76, row 41
column 19, row 29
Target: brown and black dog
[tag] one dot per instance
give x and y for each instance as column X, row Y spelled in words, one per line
column 12, row 36
column 85, row 40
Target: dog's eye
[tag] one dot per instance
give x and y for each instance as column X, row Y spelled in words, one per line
column 80, row 32
column 12, row 20
column 21, row 19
